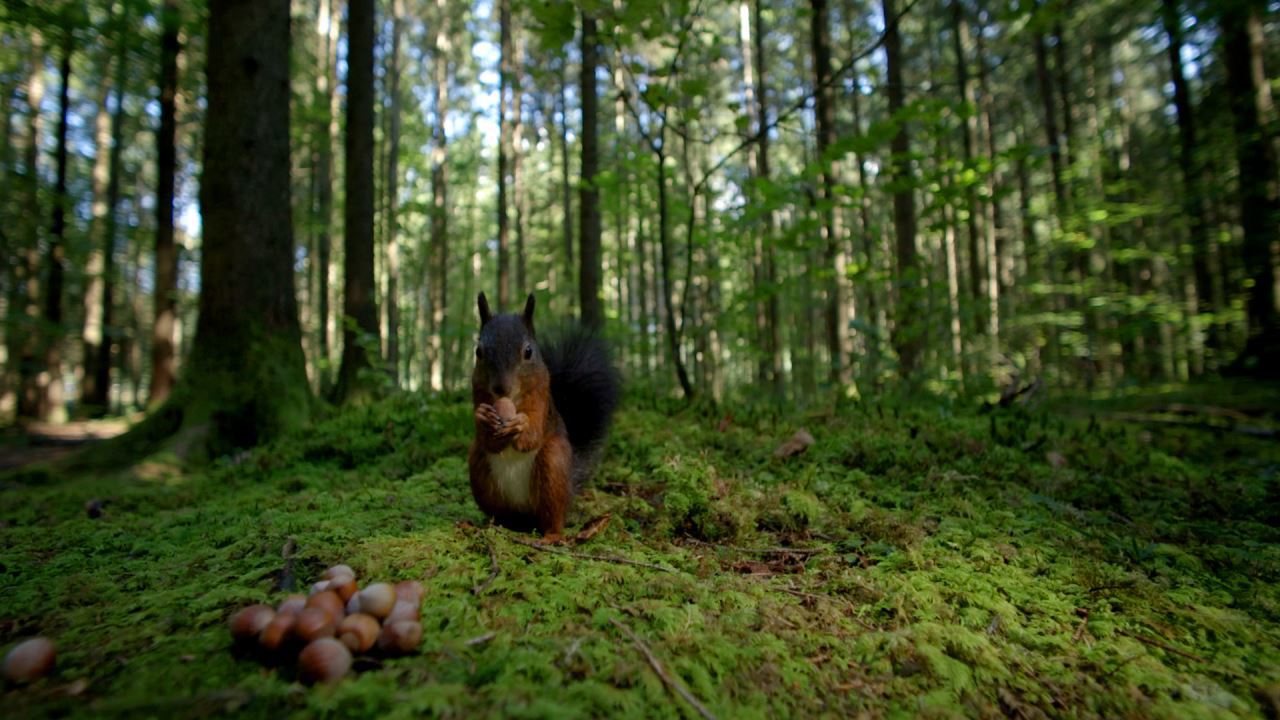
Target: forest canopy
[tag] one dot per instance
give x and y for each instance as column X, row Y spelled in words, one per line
column 806, row 199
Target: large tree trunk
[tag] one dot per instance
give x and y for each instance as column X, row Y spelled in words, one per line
column 360, row 335
column 393, row 199
column 590, row 271
column 246, row 380
column 907, row 332
column 166, row 258
column 50, row 405
column 837, row 310
column 1241, row 40
column 440, row 46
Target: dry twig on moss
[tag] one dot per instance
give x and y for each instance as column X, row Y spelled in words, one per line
column 672, row 684
column 586, row 556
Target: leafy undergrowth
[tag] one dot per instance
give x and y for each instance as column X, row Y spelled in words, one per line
column 917, row 560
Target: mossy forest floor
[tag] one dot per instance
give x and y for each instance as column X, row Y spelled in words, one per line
column 923, row 559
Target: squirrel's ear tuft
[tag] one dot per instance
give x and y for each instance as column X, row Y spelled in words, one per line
column 485, row 315
column 528, row 312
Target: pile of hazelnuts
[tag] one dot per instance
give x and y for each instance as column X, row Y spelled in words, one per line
column 335, row 623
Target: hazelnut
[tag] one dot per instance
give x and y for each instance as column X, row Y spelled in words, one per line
column 325, row 660
column 400, row 638
column 278, row 632
column 377, row 599
column 410, row 590
column 339, row 571
column 359, row 632
column 292, row 605
column 330, row 602
column 345, row 586
column 402, row 610
column 319, row 587
column 246, row 624
column 506, row 409
column 29, row 660
column 315, row 623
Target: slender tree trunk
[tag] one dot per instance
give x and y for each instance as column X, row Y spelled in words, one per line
column 109, row 328
column 93, row 394
column 166, row 277
column 517, row 139
column 327, row 137
column 28, row 276
column 837, row 310
column 1241, row 41
column 991, row 207
column 772, row 309
column 393, row 198
column 504, row 154
column 1045, row 83
column 906, row 336
column 960, row 41
column 440, row 48
column 1192, row 202
column 360, row 307
column 51, row 407
column 562, row 108
column 590, row 273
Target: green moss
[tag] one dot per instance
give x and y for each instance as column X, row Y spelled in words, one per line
column 960, row 571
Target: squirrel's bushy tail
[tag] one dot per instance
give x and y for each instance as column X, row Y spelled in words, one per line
column 584, row 386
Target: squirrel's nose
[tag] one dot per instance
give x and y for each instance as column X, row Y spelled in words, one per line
column 500, row 390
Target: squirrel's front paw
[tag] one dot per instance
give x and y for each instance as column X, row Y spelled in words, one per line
column 487, row 416
column 513, row 426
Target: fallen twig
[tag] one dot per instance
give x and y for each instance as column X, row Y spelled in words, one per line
column 816, row 596
column 493, row 569
column 761, row 551
column 286, row 581
column 672, row 684
column 587, row 556
column 481, row 639
column 1156, row 643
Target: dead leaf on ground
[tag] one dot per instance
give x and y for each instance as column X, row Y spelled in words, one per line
column 593, row 527
column 1055, row 459
column 796, row 445
column 725, row 423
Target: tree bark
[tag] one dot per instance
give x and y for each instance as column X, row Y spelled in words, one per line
column 1255, row 184
column 246, row 381
column 1192, row 202
column 504, row 154
column 907, row 333
column 94, row 387
column 166, row 258
column 50, row 406
column 27, row 278
column 562, row 107
column 440, row 47
column 590, row 272
column 360, row 337
column 393, row 197
column 835, row 259
column 327, row 137
column 960, row 43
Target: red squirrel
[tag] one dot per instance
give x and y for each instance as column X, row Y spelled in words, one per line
column 542, row 412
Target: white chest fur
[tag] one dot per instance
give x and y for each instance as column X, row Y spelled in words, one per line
column 513, row 475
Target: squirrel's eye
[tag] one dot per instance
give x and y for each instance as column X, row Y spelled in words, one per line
column 528, row 351
column 479, row 352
